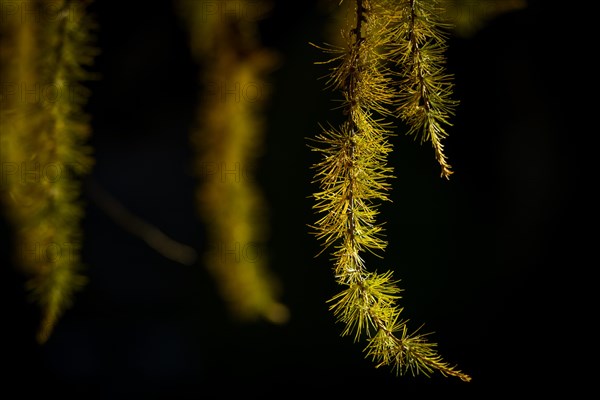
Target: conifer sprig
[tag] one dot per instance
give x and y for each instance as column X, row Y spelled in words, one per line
column 425, row 88
column 353, row 177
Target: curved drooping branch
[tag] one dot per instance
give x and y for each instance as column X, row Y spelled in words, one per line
column 353, row 176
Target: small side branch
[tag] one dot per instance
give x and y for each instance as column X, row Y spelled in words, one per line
column 150, row 234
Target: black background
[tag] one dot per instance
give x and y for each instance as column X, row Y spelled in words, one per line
column 490, row 261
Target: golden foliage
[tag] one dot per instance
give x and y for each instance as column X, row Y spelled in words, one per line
column 227, row 142
column 424, row 101
column 43, row 148
column 353, row 175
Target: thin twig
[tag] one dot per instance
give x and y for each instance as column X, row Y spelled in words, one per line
column 153, row 236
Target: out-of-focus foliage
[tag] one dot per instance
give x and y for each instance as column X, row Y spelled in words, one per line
column 469, row 16
column 45, row 50
column 228, row 142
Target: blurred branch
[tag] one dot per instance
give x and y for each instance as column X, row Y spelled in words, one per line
column 150, row 234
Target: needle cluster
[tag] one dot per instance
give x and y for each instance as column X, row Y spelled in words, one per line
column 353, row 175
column 425, row 89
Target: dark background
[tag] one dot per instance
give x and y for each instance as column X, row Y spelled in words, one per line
column 490, row 261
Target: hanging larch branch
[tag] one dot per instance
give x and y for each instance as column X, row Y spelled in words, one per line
column 425, row 88
column 44, row 130
column 353, row 176
column 227, row 140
